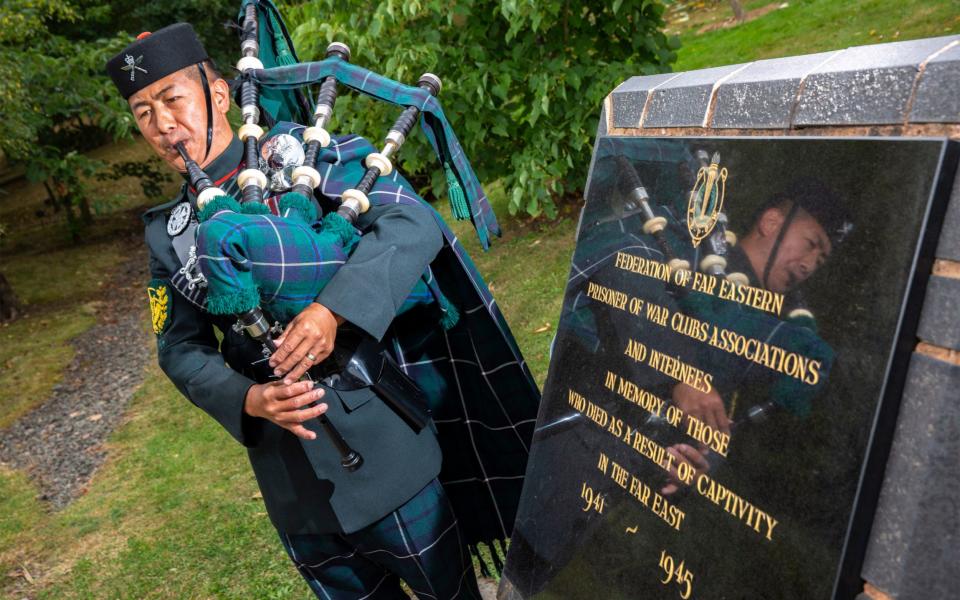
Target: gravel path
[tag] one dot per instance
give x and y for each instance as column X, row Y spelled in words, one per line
column 60, row 442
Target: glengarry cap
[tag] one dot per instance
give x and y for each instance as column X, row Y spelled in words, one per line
column 153, row 56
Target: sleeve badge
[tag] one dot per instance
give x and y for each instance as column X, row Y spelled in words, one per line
column 160, row 306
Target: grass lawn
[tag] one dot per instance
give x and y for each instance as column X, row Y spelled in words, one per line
column 810, row 26
column 174, row 511
column 56, row 280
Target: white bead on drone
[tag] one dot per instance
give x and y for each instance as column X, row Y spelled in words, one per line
column 251, row 177
column 249, row 62
column 250, row 129
column 678, row 264
column 730, row 237
column 207, row 195
column 738, row 279
column 356, row 196
column 381, row 162
column 309, row 172
column 800, row 313
column 318, row 134
column 712, row 260
column 654, row 225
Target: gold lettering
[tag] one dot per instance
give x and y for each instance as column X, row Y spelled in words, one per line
column 675, row 368
column 614, row 298
column 759, row 298
column 642, row 266
column 708, row 436
column 639, row 396
column 635, row 350
column 739, row 508
column 657, row 314
column 773, row 357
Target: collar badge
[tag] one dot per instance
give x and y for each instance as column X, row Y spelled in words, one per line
column 179, row 219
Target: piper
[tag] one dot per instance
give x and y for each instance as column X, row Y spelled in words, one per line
column 325, row 513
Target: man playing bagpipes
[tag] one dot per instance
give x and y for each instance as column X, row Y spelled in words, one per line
column 353, row 530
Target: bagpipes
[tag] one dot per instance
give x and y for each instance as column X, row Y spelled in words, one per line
column 257, row 264
column 796, row 332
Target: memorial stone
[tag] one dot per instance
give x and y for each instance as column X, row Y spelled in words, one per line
column 736, row 337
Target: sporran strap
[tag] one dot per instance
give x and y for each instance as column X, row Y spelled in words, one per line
column 776, row 245
column 206, row 95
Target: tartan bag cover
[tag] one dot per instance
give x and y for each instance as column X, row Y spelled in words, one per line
column 278, row 262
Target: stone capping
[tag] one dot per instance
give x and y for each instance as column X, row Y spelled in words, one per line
column 898, row 83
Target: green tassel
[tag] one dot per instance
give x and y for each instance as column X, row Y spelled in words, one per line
column 450, row 316
column 336, row 225
column 254, row 208
column 233, row 303
column 299, row 203
column 284, row 56
column 216, row 205
column 458, row 201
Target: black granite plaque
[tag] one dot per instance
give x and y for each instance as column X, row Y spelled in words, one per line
column 728, row 365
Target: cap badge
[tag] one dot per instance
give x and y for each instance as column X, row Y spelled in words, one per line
column 133, row 65
column 706, row 200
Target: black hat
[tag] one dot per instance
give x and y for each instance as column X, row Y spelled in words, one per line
column 153, row 56
column 820, row 202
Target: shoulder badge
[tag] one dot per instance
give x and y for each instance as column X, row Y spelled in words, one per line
column 179, row 219
column 160, row 305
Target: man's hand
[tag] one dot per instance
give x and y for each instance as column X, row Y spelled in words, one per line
column 311, row 333
column 282, row 403
column 695, row 457
column 706, row 407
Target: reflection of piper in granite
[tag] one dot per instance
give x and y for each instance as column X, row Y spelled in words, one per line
column 792, row 235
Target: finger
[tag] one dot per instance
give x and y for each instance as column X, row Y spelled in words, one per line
column 302, row 432
column 668, row 489
column 693, row 456
column 297, row 356
column 724, row 421
column 320, row 351
column 677, row 458
column 709, row 418
column 297, row 403
column 284, row 392
column 302, row 415
column 291, row 339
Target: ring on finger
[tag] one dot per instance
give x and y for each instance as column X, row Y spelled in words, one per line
column 311, row 357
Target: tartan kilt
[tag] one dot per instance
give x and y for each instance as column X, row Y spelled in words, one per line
column 482, row 396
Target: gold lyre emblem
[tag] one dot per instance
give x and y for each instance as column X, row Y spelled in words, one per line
column 159, row 305
column 706, row 200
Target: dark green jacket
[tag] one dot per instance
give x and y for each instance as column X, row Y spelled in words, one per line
column 304, row 488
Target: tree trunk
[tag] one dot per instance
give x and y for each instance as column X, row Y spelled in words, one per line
column 9, row 303
column 85, row 216
column 62, row 199
column 738, row 13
